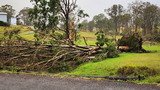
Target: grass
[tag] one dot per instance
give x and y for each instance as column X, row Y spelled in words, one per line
column 90, row 38
column 29, row 35
column 152, row 47
column 110, row 66
column 82, row 43
column 154, row 80
column 25, row 32
column 87, row 34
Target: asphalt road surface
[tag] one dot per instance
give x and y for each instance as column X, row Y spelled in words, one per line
column 31, row 82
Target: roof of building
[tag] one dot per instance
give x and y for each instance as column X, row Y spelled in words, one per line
column 3, row 13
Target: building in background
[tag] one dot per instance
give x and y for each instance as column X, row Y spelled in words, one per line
column 3, row 17
column 12, row 20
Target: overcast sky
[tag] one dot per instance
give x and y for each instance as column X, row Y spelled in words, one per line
column 92, row 7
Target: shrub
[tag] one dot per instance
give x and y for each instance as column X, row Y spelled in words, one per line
column 145, row 71
column 101, row 39
column 126, row 71
column 108, row 52
column 136, row 71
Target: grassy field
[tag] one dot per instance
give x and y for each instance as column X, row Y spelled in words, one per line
column 25, row 32
column 110, row 66
column 90, row 38
column 28, row 34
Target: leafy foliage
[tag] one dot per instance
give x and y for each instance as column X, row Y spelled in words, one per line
column 110, row 50
column 44, row 14
column 101, row 39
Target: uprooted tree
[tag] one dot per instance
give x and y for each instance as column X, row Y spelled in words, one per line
column 131, row 43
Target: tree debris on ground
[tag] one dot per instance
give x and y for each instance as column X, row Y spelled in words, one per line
column 46, row 57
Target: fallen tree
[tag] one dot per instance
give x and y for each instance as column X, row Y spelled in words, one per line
column 46, row 57
column 29, row 56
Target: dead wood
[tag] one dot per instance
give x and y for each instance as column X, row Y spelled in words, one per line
column 47, row 56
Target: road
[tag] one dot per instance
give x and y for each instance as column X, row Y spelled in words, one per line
column 31, row 82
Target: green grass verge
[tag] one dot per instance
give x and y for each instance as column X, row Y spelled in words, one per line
column 110, row 66
column 154, row 80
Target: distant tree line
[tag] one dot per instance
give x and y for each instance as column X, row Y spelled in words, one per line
column 117, row 20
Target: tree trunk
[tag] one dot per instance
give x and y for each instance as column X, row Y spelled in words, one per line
column 67, row 27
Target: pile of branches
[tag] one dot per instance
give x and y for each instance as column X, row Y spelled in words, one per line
column 45, row 57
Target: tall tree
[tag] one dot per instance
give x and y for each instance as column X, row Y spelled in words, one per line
column 24, row 15
column 9, row 10
column 99, row 21
column 136, row 9
column 145, row 15
column 84, row 25
column 91, row 25
column 150, row 17
column 115, row 12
